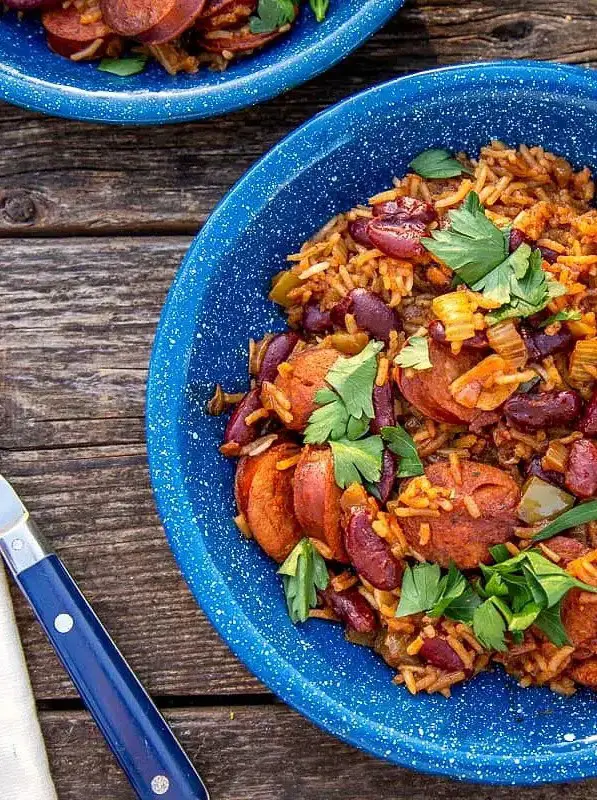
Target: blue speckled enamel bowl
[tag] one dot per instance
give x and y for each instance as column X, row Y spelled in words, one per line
column 491, row 730
column 33, row 77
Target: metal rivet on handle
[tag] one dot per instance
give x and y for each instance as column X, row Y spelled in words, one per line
column 64, row 623
column 160, row 784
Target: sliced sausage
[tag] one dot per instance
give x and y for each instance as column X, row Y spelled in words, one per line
column 579, row 617
column 369, row 554
column 351, row 607
column 240, row 41
column 585, row 673
column 67, row 35
column 581, row 469
column 132, row 17
column 245, row 472
column 178, row 20
column 219, row 14
column 309, row 369
column 456, row 535
column 428, row 390
column 317, row 499
column 270, row 511
column 568, row 549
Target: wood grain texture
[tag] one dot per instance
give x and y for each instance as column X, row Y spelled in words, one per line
column 59, row 177
column 263, row 753
column 77, row 324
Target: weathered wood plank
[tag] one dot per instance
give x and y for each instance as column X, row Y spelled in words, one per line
column 262, row 753
column 77, row 323
column 59, row 177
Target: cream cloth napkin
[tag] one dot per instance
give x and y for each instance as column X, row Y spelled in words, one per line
column 24, row 771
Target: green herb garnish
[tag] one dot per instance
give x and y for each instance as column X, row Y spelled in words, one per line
column 478, row 252
column 424, row 590
column 437, row 163
column 319, row 8
column 303, row 572
column 566, row 315
column 271, row 15
column 123, row 67
column 402, row 444
column 584, row 512
column 357, row 461
column 512, row 595
column 415, row 354
column 345, row 410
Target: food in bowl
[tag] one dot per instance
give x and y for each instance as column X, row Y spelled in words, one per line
column 418, row 450
column 179, row 34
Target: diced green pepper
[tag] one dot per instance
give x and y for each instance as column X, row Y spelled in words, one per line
column 284, row 283
column 541, row 501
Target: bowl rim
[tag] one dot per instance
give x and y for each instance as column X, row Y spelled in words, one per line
column 169, row 358
column 200, row 101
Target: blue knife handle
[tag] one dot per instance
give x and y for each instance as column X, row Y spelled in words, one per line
column 155, row 763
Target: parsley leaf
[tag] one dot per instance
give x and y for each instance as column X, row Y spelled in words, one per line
column 271, row 15
column 584, row 512
column 415, row 354
column 319, row 8
column 489, row 625
column 565, row 315
column 353, row 379
column 424, row 590
column 303, row 572
column 550, row 622
column 529, row 293
column 355, row 461
column 472, row 246
column 437, row 163
column 420, row 589
column 330, row 421
column 123, row 67
column 402, row 444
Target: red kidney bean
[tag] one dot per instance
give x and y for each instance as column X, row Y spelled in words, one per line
column 409, row 208
column 373, row 315
column 383, row 407
column 543, row 410
column 438, row 652
column 388, row 476
column 358, row 230
column 540, row 344
column 315, row 320
column 369, row 554
column 278, row 350
column 534, row 467
column 517, row 237
column 340, row 310
column 351, row 607
column 581, row 470
column 237, row 430
column 588, row 423
column 397, row 237
column 437, row 331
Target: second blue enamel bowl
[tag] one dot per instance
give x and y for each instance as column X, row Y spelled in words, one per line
column 33, row 77
column 491, row 730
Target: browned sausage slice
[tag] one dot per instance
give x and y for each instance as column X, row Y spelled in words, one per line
column 67, row 35
column 585, row 673
column 180, row 18
column 245, row 472
column 317, row 499
column 270, row 511
column 309, row 369
column 429, row 389
column 456, row 535
column 579, row 617
column 132, row 17
column 239, row 41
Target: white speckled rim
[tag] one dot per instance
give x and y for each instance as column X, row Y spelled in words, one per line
column 567, row 760
column 146, row 106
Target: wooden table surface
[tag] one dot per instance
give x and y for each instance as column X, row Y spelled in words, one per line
column 94, row 222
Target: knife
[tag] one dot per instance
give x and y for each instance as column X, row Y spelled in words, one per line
column 153, row 760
